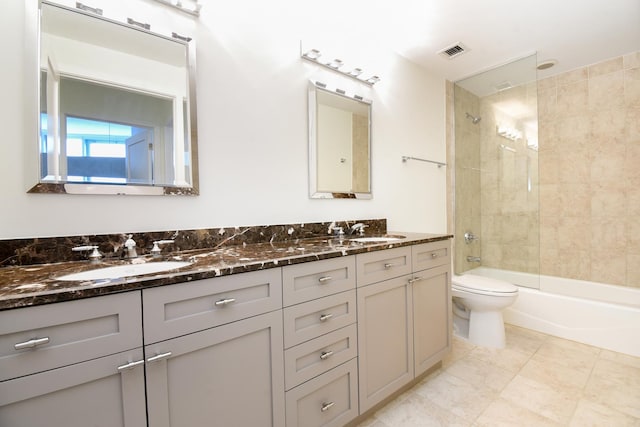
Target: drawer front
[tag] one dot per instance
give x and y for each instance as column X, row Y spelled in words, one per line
column 175, row 310
column 429, row 255
column 328, row 400
column 307, row 281
column 377, row 266
column 312, row 358
column 311, row 319
column 40, row 338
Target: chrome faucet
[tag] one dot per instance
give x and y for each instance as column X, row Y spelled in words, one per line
column 470, row 237
column 93, row 256
column 359, row 228
column 335, row 230
column 130, row 246
column 473, row 259
column 156, row 250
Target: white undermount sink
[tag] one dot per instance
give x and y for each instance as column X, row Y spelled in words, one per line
column 377, row 239
column 126, row 270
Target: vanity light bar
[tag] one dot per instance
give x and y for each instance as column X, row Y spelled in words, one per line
column 314, row 55
column 177, row 4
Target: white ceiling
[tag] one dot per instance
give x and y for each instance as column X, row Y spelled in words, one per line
column 573, row 32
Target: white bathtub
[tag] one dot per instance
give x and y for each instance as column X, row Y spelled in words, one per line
column 597, row 314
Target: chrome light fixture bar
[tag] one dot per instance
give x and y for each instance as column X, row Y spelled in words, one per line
column 314, row 55
column 178, row 4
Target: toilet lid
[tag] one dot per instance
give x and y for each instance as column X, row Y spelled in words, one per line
column 471, row 283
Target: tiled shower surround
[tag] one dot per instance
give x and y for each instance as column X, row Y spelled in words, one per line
column 586, row 226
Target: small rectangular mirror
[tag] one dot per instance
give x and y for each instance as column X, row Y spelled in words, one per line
column 117, row 107
column 339, row 144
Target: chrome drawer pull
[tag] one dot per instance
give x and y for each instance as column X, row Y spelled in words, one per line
column 159, row 357
column 389, row 265
column 326, row 354
column 415, row 279
column 325, row 317
column 434, row 255
column 31, row 343
column 327, row 406
column 130, row 365
column 224, row 302
column 325, row 279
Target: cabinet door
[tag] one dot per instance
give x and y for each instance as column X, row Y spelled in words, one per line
column 385, row 339
column 431, row 316
column 104, row 392
column 231, row 375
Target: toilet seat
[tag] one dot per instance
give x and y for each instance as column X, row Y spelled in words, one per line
column 483, row 286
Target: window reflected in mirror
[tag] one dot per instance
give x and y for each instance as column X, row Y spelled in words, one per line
column 117, row 104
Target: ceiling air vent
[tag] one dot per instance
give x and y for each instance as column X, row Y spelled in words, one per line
column 453, row 51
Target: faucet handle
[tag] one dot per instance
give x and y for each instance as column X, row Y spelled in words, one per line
column 95, row 253
column 156, row 245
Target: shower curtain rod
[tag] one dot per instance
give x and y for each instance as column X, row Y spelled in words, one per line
column 440, row 164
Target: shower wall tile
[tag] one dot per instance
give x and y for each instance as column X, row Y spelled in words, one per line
column 572, row 76
column 606, row 67
column 632, row 87
column 589, row 173
column 631, row 60
column 572, row 98
column 606, row 91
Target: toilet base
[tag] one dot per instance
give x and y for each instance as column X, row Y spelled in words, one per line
column 486, row 328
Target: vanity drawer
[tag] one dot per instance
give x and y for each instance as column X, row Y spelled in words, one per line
column 40, row 338
column 180, row 309
column 328, row 400
column 311, row 319
column 307, row 281
column 312, row 358
column 377, row 266
column 429, row 255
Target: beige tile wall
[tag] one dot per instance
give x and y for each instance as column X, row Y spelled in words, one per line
column 589, row 124
column 588, row 173
column 467, row 177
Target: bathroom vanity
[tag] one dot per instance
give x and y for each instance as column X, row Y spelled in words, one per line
column 287, row 340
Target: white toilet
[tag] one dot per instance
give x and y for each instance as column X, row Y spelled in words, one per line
column 477, row 308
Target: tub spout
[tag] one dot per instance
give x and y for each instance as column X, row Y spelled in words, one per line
column 473, row 259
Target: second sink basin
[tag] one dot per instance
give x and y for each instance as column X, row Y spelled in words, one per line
column 126, row 270
column 377, row 239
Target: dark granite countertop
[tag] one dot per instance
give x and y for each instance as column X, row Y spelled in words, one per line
column 31, row 285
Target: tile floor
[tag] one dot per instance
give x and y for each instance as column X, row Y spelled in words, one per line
column 537, row 380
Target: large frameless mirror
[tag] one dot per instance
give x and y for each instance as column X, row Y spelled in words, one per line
column 339, row 144
column 117, row 112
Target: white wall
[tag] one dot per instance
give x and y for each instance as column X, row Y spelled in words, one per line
column 252, row 112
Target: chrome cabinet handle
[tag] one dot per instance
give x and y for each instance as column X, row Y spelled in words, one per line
column 159, row 357
column 415, row 279
column 327, row 406
column 326, row 354
column 130, row 365
column 389, row 265
column 434, row 255
column 225, row 301
column 325, row 317
column 325, row 279
column 31, row 343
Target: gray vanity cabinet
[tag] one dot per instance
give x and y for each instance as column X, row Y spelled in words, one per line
column 320, row 340
column 404, row 321
column 431, row 283
column 214, row 352
column 73, row 364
